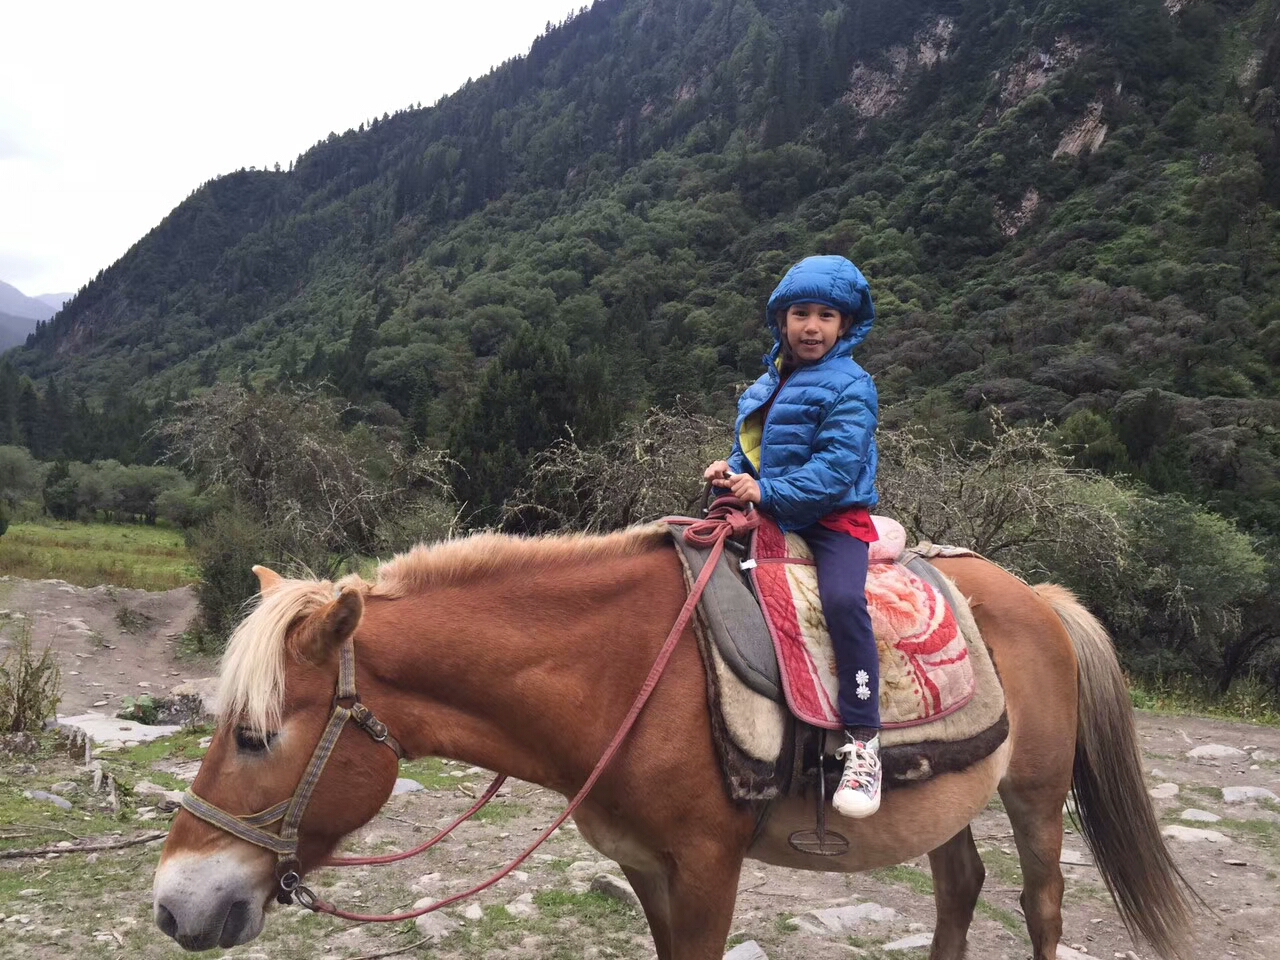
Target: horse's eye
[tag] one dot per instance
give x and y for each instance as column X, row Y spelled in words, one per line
column 250, row 742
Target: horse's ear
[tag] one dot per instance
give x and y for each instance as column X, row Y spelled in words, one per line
column 268, row 579
column 329, row 627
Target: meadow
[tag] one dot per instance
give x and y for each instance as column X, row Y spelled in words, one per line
column 88, row 554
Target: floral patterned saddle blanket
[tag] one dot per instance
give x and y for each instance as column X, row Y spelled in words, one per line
column 925, row 668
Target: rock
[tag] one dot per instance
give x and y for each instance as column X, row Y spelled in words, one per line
column 1075, row 858
column 842, row 920
column 18, row 745
column 1198, row 816
column 405, row 785
column 473, row 912
column 1158, row 774
column 919, row 941
column 1265, row 756
column 64, row 787
column 519, row 876
column 1192, row 835
column 1216, row 751
column 585, row 868
column 1235, row 863
column 750, row 950
column 1247, row 794
column 145, row 788
column 1070, row 953
column 1166, row 791
column 57, row 801
column 433, row 927
column 426, row 882
column 616, row 887
column 102, row 729
column 78, row 625
column 522, row 906
column 191, row 702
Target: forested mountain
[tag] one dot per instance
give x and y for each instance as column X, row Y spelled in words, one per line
column 1065, row 207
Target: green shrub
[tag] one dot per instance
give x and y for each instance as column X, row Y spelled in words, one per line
column 226, row 547
column 30, row 689
column 143, row 709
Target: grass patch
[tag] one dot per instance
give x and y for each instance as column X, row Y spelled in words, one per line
column 904, row 876
column 590, row 907
column 431, row 772
column 183, row 745
column 1200, row 789
column 1263, row 833
column 557, row 926
column 1006, row 918
column 871, row 949
column 89, row 554
column 1003, row 866
column 1248, row 701
column 131, row 621
column 499, row 812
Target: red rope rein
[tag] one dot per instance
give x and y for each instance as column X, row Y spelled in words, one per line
column 393, row 857
column 725, row 519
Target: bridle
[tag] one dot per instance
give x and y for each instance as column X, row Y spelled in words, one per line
column 346, row 707
column 726, row 518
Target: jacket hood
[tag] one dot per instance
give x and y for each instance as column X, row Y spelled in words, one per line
column 833, row 281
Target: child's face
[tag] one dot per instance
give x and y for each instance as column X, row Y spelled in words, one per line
column 812, row 329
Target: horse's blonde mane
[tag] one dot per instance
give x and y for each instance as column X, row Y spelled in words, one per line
column 494, row 554
column 251, row 679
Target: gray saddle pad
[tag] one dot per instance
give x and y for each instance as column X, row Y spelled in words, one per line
column 731, row 616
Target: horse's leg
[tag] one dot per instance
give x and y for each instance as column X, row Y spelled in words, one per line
column 652, row 890
column 1037, row 830
column 703, row 886
column 957, row 880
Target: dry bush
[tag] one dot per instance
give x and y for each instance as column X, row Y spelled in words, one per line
column 327, row 493
column 30, row 688
column 651, row 469
column 1014, row 498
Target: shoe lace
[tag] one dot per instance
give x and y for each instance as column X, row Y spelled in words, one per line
column 861, row 765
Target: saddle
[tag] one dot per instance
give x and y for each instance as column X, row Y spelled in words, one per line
column 771, row 677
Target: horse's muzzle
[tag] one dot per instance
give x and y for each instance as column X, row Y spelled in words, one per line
column 202, row 904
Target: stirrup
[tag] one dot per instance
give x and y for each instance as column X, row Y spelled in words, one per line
column 820, row 842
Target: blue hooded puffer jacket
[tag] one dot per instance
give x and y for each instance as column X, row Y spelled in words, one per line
column 815, row 451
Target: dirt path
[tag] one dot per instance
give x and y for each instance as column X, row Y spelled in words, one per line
column 98, row 905
column 111, row 642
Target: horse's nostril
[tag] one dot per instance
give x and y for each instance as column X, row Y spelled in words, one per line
column 166, row 922
column 233, row 926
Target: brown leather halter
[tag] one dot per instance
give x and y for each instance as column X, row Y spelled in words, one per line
column 290, row 812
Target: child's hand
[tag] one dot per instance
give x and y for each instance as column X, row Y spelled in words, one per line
column 717, row 471
column 743, row 486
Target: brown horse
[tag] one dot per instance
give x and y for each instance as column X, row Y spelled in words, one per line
column 522, row 656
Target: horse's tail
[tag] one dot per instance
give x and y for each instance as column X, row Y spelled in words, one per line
column 1115, row 811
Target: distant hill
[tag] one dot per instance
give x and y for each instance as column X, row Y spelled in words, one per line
column 15, row 303
column 1069, row 208
column 19, row 314
column 55, row 300
column 14, row 331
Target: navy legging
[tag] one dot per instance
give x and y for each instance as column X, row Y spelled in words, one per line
column 842, row 581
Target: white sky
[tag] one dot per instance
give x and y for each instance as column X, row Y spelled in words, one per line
column 112, row 113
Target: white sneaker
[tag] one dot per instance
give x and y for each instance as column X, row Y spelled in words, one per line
column 859, row 792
